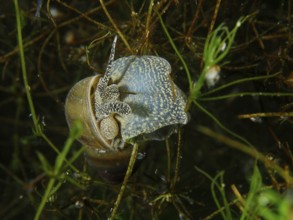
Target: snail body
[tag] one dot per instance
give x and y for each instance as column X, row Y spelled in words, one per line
column 134, row 101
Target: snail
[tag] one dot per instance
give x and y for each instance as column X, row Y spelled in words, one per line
column 135, row 101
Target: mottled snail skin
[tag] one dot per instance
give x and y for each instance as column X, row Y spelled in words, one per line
column 139, row 102
column 155, row 100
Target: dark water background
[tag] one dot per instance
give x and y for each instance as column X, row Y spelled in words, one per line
column 55, row 61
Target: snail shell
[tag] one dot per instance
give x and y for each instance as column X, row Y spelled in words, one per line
column 139, row 103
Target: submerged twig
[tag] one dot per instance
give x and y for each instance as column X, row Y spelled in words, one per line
column 125, row 180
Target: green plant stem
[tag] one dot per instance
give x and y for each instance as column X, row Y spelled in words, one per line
column 148, row 20
column 177, row 52
column 74, row 133
column 217, row 46
column 178, row 160
column 37, row 127
column 49, row 142
column 199, row 84
column 125, row 180
column 218, row 185
column 249, row 151
column 214, row 52
column 45, row 198
column 168, row 159
column 242, row 94
column 227, row 211
column 221, row 125
column 237, row 82
column 115, row 26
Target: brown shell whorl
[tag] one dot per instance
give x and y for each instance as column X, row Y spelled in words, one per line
column 78, row 106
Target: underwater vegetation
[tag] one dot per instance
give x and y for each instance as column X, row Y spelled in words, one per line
column 215, row 142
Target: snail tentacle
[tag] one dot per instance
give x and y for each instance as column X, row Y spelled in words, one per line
column 103, row 82
column 107, row 97
column 108, row 108
column 111, row 58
